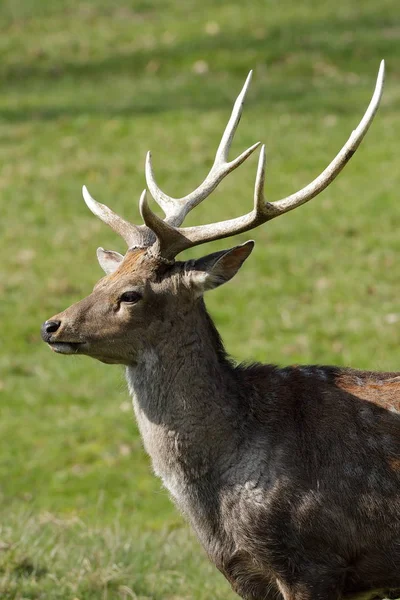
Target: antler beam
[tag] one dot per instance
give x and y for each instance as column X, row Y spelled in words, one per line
column 172, row 240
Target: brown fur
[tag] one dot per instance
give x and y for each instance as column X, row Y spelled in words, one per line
column 136, row 261
column 379, row 388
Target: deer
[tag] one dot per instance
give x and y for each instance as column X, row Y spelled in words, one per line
column 289, row 476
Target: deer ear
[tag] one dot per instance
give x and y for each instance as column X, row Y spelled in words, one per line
column 109, row 260
column 215, row 269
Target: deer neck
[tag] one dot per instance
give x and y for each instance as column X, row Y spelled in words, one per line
column 183, row 397
column 182, row 386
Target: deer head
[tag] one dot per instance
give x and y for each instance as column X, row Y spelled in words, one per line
column 147, row 292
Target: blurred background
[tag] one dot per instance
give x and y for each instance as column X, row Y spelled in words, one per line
column 86, row 89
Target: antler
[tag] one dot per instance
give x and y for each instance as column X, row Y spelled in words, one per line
column 167, row 239
column 134, row 235
column 176, row 209
column 172, row 240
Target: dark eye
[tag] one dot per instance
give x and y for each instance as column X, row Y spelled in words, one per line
column 130, row 297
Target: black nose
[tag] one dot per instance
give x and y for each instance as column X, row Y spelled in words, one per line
column 48, row 328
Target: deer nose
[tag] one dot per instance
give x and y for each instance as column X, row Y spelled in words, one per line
column 48, row 328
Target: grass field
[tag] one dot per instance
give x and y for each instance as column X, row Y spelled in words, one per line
column 86, row 89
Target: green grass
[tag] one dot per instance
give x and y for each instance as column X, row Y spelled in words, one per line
column 86, row 89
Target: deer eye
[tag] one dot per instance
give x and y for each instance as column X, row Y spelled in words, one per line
column 130, row 297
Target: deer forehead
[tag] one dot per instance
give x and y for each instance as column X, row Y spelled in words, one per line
column 139, row 267
column 136, row 262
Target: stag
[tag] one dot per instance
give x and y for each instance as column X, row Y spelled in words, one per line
column 289, row 476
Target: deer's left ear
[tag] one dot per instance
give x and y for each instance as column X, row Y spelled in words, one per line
column 215, row 269
column 109, row 260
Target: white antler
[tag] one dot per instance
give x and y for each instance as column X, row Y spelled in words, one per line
column 168, row 239
column 134, row 235
column 172, row 240
column 176, row 209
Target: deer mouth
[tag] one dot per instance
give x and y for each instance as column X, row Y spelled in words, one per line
column 65, row 347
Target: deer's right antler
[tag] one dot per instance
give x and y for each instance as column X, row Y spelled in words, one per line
column 176, row 209
column 170, row 239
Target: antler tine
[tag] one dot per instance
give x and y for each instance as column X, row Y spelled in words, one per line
column 176, row 209
column 134, row 235
column 342, row 158
column 263, row 211
column 221, row 155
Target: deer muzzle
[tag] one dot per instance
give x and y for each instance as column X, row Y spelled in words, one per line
column 49, row 328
